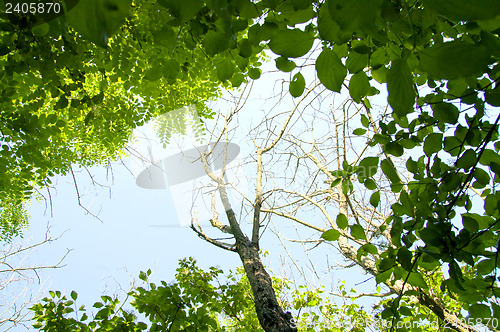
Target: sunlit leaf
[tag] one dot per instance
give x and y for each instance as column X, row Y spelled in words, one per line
column 341, row 221
column 358, row 232
column 331, row 235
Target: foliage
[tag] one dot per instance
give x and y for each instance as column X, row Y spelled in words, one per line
column 199, row 299
column 71, row 93
column 438, row 60
column 13, row 217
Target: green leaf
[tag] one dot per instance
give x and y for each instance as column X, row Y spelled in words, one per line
column 404, row 258
column 329, row 29
column 364, row 121
column 394, row 148
column 492, row 96
column 297, row 85
column 331, row 235
column 355, row 14
column 383, row 276
column 433, row 143
column 331, row 71
column 470, row 223
column 171, row 69
column 495, row 167
column 359, row 131
column 342, row 221
column 464, row 10
column 370, row 184
column 97, row 20
column 40, row 30
column 335, row 182
column 390, row 171
column 98, row 305
column 368, row 167
column 254, row 73
column 347, row 186
column 358, row 232
column 467, row 159
column 482, row 178
column 485, row 266
column 216, row 41
column 359, row 86
column 375, row 199
column 445, row 112
column 400, row 87
column 488, row 156
column 183, row 10
column 153, row 74
column 366, row 248
column 74, row 295
column 479, row 311
column 454, row 59
column 291, row 43
column 285, row 64
column 452, row 145
column 143, row 276
column 416, row 279
column 356, row 62
column 225, row 69
column 245, row 47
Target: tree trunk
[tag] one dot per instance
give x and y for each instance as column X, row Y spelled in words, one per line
column 271, row 316
column 269, row 312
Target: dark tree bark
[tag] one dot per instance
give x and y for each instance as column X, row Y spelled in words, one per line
column 271, row 316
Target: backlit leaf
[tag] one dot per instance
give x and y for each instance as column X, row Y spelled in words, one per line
column 358, row 86
column 400, row 87
column 358, row 232
column 390, row 171
column 342, row 221
column 297, row 85
column 454, row 59
column 375, row 199
column 416, row 279
column 331, row 235
column 461, row 10
column 445, row 112
column 331, row 71
column 97, row 20
column 225, row 70
column 433, row 143
column 284, row 64
column 291, row 43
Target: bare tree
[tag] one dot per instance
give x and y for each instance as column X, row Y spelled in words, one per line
column 303, row 163
column 20, row 282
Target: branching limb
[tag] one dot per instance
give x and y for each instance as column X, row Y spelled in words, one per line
column 202, row 235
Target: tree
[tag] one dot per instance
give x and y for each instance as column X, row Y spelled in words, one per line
column 67, row 100
column 199, row 299
column 439, row 63
column 20, row 282
column 302, row 162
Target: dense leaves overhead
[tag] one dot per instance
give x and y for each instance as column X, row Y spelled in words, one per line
column 73, row 88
